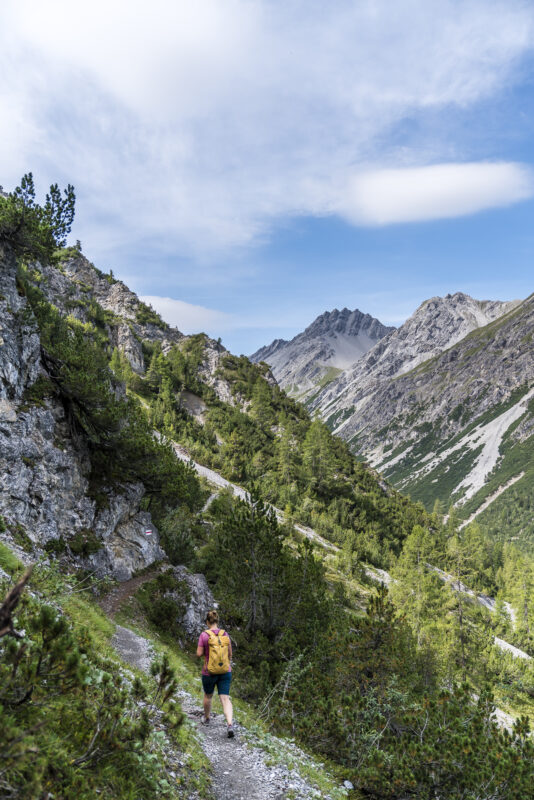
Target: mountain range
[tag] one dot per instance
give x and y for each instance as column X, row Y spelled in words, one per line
column 313, row 358
column 441, row 406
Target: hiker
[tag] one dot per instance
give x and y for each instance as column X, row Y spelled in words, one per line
column 215, row 645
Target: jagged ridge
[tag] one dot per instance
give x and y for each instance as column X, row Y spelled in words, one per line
column 333, row 342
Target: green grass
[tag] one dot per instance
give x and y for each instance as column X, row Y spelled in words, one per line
column 8, row 560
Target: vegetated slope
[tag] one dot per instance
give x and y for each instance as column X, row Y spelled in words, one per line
column 332, row 343
column 82, row 395
column 456, row 426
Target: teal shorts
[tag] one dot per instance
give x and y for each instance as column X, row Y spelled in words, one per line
column 222, row 682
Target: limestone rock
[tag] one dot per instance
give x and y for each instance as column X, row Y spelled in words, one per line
column 200, row 600
column 332, row 343
column 43, row 472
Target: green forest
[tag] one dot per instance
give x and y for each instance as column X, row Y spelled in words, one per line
column 396, row 687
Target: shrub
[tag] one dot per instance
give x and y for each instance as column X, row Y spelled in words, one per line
column 145, row 315
column 84, row 543
column 164, row 601
column 177, row 535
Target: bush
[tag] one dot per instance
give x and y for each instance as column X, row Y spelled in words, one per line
column 37, row 393
column 177, row 536
column 145, row 315
column 84, row 543
column 164, row 601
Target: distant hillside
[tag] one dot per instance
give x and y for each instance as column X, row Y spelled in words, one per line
column 313, row 358
column 443, row 408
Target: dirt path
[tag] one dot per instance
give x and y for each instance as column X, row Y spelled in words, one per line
column 112, row 601
column 240, row 772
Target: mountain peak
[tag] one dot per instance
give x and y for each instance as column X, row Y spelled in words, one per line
column 438, row 324
column 332, row 342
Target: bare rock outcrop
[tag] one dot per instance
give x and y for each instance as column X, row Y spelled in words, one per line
column 199, row 601
column 45, row 502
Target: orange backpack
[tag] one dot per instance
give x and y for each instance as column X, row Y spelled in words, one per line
column 219, row 652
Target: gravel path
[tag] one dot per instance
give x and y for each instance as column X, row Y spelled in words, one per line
column 217, row 480
column 239, row 771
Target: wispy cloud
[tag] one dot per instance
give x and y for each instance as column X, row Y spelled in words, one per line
column 439, row 191
column 190, row 318
column 202, row 123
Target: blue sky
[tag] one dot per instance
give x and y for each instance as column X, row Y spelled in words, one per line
column 247, row 164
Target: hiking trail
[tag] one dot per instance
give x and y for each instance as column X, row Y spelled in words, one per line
column 239, row 770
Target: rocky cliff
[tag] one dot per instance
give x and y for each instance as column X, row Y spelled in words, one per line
column 442, row 405
column 332, row 343
column 44, row 473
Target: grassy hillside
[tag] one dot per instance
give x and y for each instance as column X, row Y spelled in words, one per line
column 73, row 722
column 392, row 706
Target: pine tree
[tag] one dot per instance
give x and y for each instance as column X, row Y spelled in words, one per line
column 417, row 589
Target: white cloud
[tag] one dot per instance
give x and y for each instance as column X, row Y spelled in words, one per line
column 190, row 318
column 200, row 123
column 439, row 191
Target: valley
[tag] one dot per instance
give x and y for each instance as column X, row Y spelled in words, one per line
column 156, row 474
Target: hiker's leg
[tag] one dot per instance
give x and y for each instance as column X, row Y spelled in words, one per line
column 208, row 684
column 227, row 707
column 207, row 705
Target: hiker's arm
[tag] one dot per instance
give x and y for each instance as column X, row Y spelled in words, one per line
column 200, row 646
column 200, row 651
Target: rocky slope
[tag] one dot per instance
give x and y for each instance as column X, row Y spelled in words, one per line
column 130, row 322
column 438, row 323
column 332, row 343
column 443, row 405
column 44, row 474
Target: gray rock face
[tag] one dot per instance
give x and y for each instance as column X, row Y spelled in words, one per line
column 19, row 341
column 43, row 472
column 201, row 600
column 436, row 405
column 333, row 342
column 130, row 540
column 436, row 326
